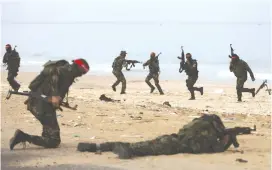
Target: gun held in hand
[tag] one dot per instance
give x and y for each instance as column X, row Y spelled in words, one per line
column 39, row 97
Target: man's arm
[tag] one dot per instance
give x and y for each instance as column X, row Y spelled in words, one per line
column 53, row 74
column 231, row 67
column 249, row 70
column 5, row 58
column 146, row 63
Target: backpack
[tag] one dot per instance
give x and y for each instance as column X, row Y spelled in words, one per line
column 34, row 85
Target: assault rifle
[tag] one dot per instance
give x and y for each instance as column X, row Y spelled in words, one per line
column 238, row 131
column 158, row 55
column 231, row 51
column 131, row 63
column 182, row 60
column 39, row 97
column 264, row 84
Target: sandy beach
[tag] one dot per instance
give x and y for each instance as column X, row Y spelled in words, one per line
column 139, row 116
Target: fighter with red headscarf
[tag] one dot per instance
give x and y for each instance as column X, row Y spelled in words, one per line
column 54, row 81
column 240, row 69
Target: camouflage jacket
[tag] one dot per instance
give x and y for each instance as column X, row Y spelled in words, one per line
column 190, row 68
column 54, row 80
column 203, row 135
column 240, row 69
column 12, row 59
column 153, row 65
column 118, row 63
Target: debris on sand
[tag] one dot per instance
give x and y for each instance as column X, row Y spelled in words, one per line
column 103, row 97
column 241, row 160
column 167, row 103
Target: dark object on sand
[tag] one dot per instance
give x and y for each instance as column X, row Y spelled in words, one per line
column 103, row 97
column 241, row 160
column 167, row 103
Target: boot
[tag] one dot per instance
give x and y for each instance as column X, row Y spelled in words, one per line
column 19, row 136
column 152, row 88
column 192, row 95
column 201, row 90
column 240, row 98
column 159, row 88
column 123, row 90
column 253, row 92
column 86, row 147
column 113, row 88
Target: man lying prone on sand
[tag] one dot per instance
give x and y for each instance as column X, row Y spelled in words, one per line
column 206, row 134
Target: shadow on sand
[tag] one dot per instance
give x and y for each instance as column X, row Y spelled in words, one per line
column 9, row 159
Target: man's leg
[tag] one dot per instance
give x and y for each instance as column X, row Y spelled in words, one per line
column 11, row 79
column 157, row 82
column 116, row 82
column 147, row 80
column 124, row 83
column 190, row 84
column 50, row 136
column 247, row 90
column 200, row 89
column 162, row 145
column 240, row 88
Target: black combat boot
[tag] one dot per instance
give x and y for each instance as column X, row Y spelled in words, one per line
column 253, row 92
column 201, row 90
column 123, row 90
column 113, row 88
column 159, row 88
column 152, row 88
column 192, row 95
column 239, row 98
column 86, row 147
column 19, row 136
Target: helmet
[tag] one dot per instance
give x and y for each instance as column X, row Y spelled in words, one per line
column 82, row 64
column 123, row 52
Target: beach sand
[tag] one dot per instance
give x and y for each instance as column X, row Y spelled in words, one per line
column 139, row 116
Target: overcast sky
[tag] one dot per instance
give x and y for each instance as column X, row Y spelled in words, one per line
column 101, row 28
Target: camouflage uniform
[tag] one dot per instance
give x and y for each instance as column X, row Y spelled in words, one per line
column 190, row 67
column 240, row 69
column 54, row 80
column 202, row 135
column 117, row 66
column 12, row 59
column 154, row 69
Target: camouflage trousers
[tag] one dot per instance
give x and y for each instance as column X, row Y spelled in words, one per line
column 190, row 82
column 155, row 77
column 170, row 144
column 11, row 79
column 46, row 114
column 120, row 78
column 240, row 86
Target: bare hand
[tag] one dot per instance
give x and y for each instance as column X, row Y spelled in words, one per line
column 55, row 100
